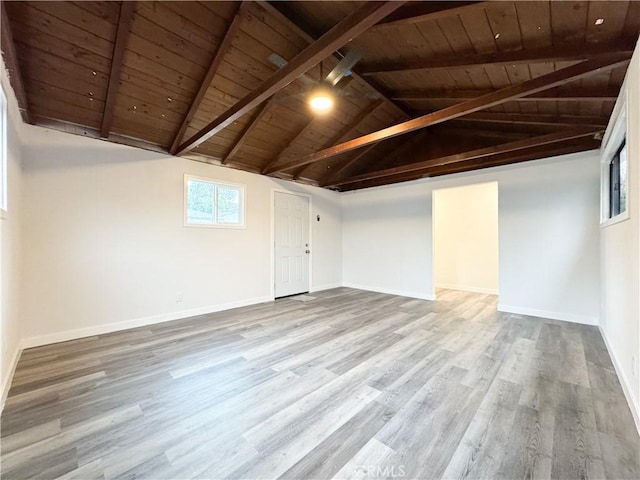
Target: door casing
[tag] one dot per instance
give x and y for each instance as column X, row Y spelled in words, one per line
column 273, row 237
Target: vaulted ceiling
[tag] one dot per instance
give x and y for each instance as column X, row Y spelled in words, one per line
column 440, row 87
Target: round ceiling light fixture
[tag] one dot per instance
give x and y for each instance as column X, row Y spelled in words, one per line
column 321, row 99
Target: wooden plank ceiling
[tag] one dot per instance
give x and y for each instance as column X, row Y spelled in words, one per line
column 441, row 87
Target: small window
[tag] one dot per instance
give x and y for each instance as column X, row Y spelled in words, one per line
column 3, row 151
column 209, row 203
column 618, row 181
column 614, row 176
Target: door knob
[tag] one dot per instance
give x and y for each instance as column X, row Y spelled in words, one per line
column 307, row 251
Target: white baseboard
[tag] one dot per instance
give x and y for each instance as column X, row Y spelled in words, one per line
column 327, row 286
column 401, row 293
column 6, row 382
column 464, row 288
column 566, row 317
column 74, row 334
column 634, row 404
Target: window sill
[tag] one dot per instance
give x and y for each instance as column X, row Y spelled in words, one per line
column 614, row 220
column 223, row 227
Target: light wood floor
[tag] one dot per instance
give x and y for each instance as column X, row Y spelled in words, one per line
column 350, row 384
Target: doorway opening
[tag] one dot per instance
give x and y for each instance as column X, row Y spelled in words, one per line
column 292, row 249
column 465, row 238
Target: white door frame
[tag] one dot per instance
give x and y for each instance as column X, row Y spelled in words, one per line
column 433, row 227
column 272, row 246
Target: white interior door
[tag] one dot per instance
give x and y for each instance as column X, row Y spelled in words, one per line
column 291, row 244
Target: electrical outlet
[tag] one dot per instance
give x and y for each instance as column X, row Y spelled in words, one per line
column 179, row 297
column 633, row 365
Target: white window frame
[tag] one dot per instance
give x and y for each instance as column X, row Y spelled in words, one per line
column 611, row 145
column 4, row 171
column 243, row 201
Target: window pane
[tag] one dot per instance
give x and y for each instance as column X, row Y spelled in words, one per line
column 200, row 207
column 229, row 205
column 623, row 178
column 614, row 186
column 209, row 203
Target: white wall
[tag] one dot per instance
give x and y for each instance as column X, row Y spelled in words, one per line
column 106, row 246
column 387, row 240
column 10, row 246
column 549, row 242
column 548, row 236
column 620, row 257
column 465, row 238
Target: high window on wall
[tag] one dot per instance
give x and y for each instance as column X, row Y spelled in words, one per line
column 618, row 181
column 3, row 152
column 615, row 170
column 210, row 203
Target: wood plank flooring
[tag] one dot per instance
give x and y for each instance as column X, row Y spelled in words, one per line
column 348, row 385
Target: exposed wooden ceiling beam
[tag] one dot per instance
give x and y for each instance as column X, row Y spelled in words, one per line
column 509, row 158
column 556, row 53
column 360, row 154
column 359, row 21
column 334, row 174
column 580, row 94
column 286, row 16
column 124, row 21
column 453, row 130
column 11, row 61
column 308, row 126
column 534, row 119
column 352, row 126
column 346, row 132
column 506, row 94
column 563, row 136
column 494, row 161
column 84, row 131
column 255, row 119
column 417, row 12
column 221, row 51
column 297, row 174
